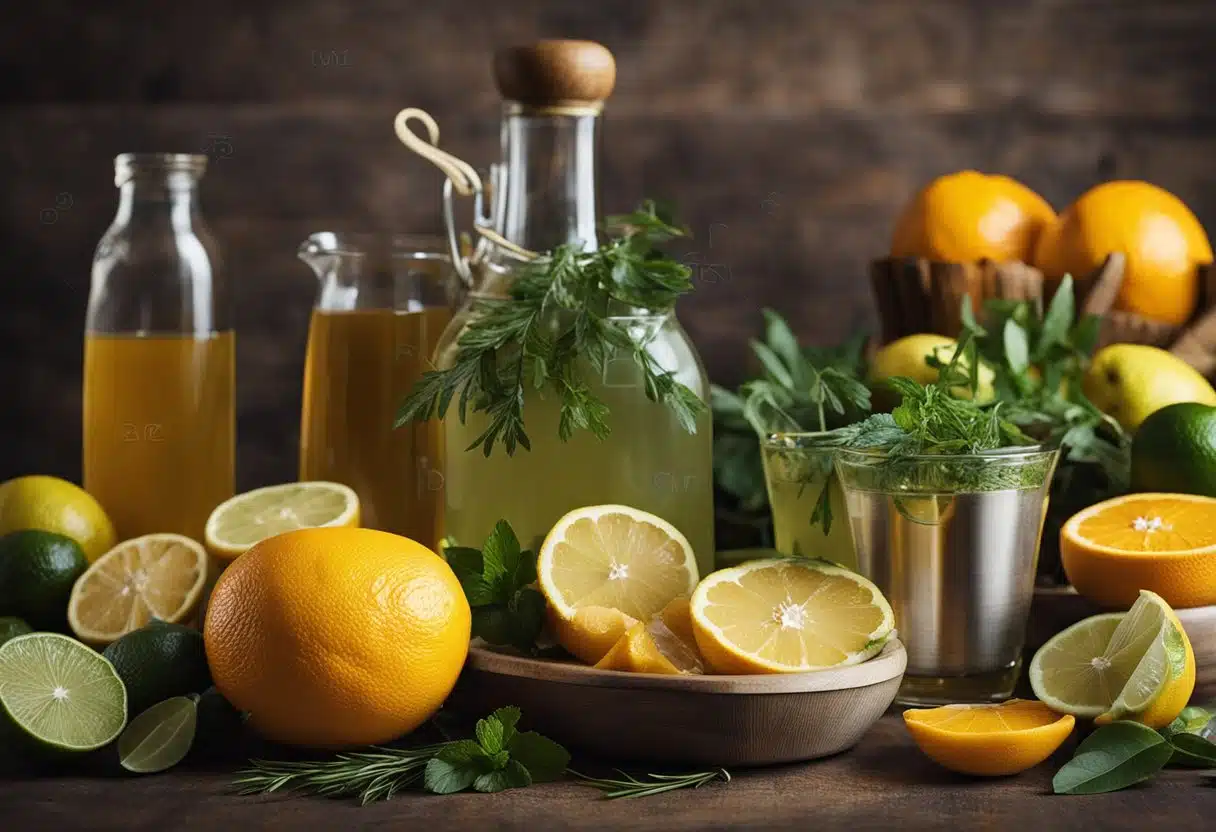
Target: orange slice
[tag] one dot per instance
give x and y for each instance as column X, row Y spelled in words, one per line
column 1165, row 543
column 989, row 740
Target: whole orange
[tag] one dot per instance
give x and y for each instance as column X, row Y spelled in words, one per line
column 967, row 216
column 1162, row 240
column 337, row 637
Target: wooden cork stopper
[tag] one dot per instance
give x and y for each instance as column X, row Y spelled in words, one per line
column 556, row 74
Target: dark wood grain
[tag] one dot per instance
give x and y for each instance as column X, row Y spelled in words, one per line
column 884, row 783
column 788, row 133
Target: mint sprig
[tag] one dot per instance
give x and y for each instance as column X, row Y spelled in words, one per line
column 499, row 758
column 498, row 582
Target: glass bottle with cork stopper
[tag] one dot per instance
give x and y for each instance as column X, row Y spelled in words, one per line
column 543, row 198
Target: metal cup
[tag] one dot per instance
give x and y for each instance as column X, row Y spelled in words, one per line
column 953, row 542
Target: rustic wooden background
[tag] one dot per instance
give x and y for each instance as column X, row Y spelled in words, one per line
column 794, row 129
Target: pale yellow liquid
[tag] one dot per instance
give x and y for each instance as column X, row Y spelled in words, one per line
column 795, row 479
column 649, row 462
column 359, row 367
column 159, row 429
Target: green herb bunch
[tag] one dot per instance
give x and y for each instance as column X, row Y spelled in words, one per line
column 565, row 310
column 800, row 388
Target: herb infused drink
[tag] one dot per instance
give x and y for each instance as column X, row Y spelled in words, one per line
column 796, row 472
column 566, row 380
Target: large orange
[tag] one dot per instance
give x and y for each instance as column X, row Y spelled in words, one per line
column 967, row 216
column 1165, row 543
column 1163, row 241
column 337, row 637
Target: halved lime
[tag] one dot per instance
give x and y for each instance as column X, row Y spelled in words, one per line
column 60, row 693
column 1117, row 662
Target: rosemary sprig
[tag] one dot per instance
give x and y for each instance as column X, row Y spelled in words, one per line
column 372, row 775
column 629, row 786
column 565, row 312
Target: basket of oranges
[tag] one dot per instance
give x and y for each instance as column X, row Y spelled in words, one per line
column 1139, row 256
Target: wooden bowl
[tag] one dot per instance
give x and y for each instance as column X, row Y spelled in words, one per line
column 1055, row 608
column 686, row 720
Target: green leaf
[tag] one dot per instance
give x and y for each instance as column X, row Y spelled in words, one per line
column 1086, row 333
column 444, row 777
column 1192, row 751
column 545, row 760
column 1017, row 349
column 461, row 752
column 493, row 781
column 160, row 737
column 517, row 776
column 1113, row 757
column 781, row 340
column 493, row 623
column 527, row 612
column 772, row 364
column 821, row 515
column 464, row 561
column 1058, row 319
column 509, row 717
column 490, row 733
column 500, row 552
column 967, row 314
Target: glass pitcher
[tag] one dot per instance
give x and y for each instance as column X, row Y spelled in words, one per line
column 384, row 300
column 545, row 194
column 159, row 356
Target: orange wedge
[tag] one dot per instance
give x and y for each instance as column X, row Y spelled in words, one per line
column 1165, row 543
column 989, row 740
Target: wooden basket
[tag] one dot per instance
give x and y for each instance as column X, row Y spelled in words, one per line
column 916, row 295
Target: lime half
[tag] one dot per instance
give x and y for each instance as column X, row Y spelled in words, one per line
column 1116, row 662
column 61, row 693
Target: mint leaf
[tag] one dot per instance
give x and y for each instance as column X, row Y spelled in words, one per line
column 492, row 781
column 1113, row 757
column 501, row 548
column 464, row 561
column 454, row 768
column 492, row 623
column 1192, row 751
column 526, row 614
column 517, row 776
column 545, row 760
column 489, row 734
column 508, row 717
column 442, row 777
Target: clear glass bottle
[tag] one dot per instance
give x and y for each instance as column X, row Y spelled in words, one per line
column 545, row 194
column 159, row 356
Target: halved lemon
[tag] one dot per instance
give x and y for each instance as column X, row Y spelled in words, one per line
column 1137, row 665
column 1165, row 543
column 241, row 521
column 787, row 615
column 989, row 740
column 664, row 644
column 154, row 576
column 616, row 557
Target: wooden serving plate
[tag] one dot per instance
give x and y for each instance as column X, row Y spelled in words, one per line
column 687, row 720
column 1055, row 608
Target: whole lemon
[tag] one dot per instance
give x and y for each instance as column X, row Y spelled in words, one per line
column 907, row 357
column 50, row 504
column 1162, row 240
column 336, row 637
column 1131, row 381
column 968, row 216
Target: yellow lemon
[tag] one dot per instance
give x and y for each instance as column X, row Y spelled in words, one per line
column 906, row 357
column 155, row 576
column 616, row 557
column 989, row 740
column 591, row 632
column 1131, row 381
column 54, row 505
column 787, row 615
column 241, row 521
column 665, row 644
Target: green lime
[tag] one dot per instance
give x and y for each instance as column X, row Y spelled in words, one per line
column 1174, row 451
column 59, row 693
column 37, row 571
column 159, row 661
column 11, row 627
column 160, row 737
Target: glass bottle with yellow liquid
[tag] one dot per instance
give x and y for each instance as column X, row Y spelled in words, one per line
column 384, row 301
column 159, row 356
column 544, row 194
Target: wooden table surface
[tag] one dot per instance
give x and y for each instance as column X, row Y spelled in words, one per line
column 884, row 783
